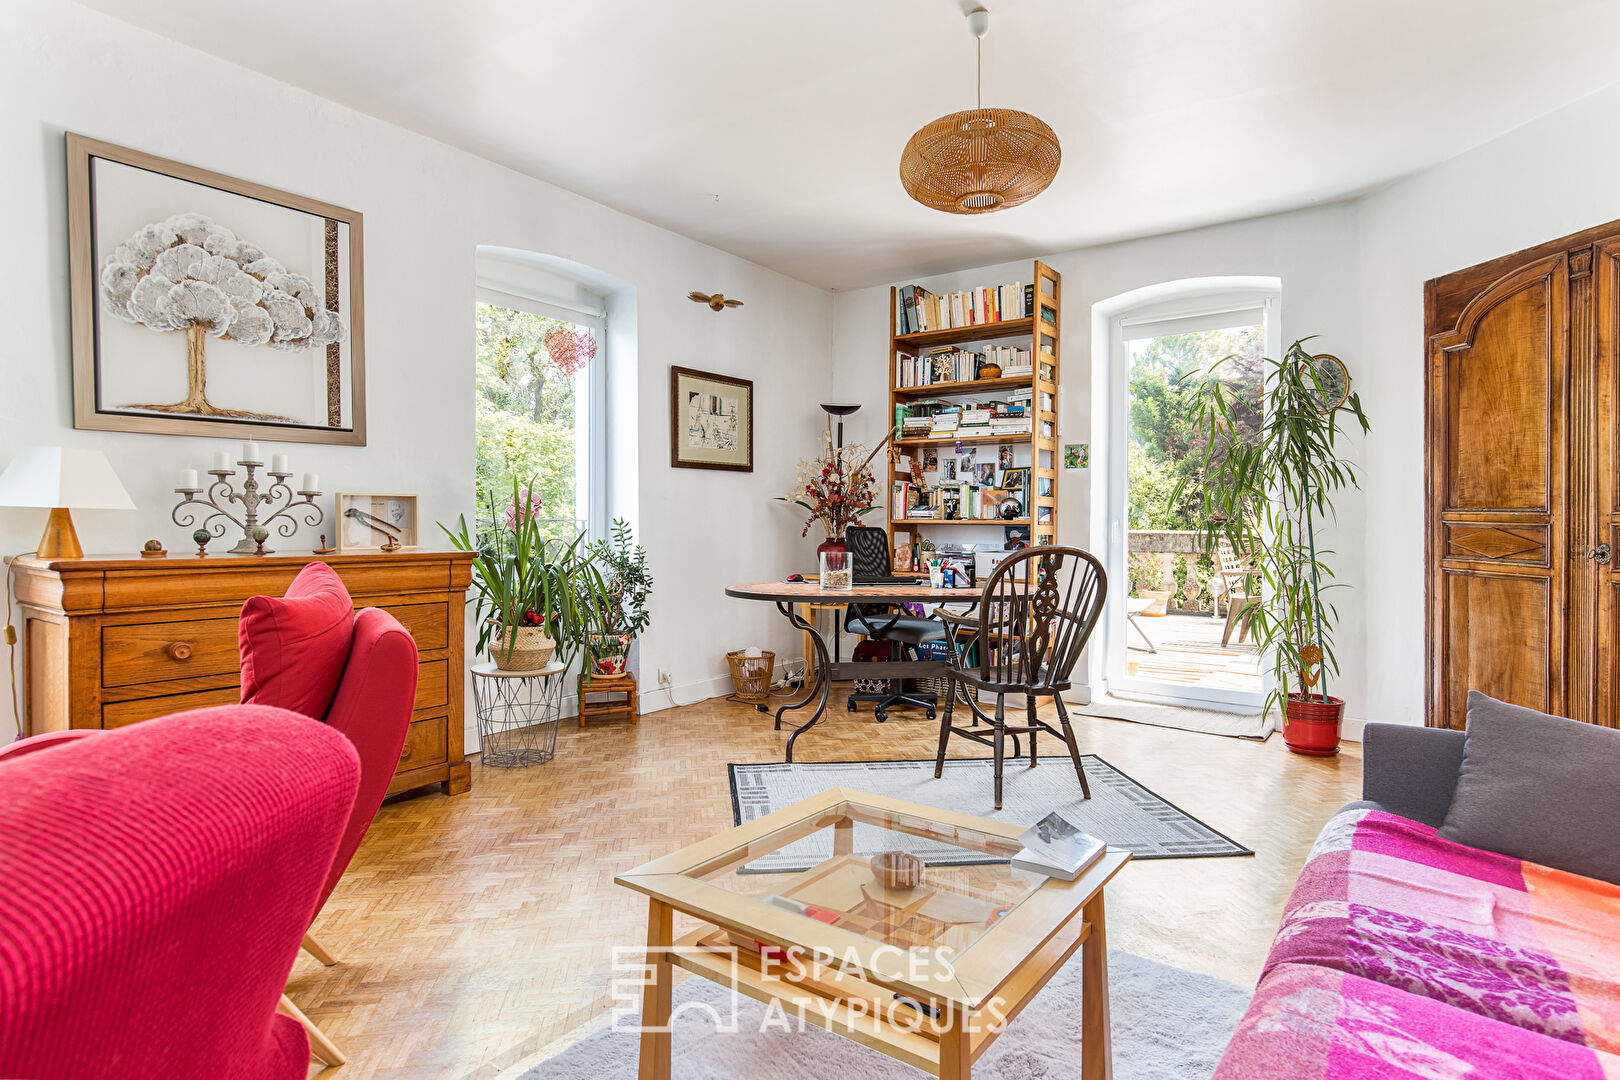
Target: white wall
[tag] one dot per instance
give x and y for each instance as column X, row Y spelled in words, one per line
column 426, row 207
column 1312, row 251
column 1545, row 180
column 1354, row 274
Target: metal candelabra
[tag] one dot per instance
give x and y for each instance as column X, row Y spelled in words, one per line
column 298, row 505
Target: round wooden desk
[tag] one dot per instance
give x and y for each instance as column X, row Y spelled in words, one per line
column 788, row 595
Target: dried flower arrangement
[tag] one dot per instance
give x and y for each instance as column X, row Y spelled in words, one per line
column 834, row 489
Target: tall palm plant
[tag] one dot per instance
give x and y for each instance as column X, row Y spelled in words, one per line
column 1266, row 494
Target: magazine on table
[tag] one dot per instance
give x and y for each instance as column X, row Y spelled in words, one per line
column 1057, row 847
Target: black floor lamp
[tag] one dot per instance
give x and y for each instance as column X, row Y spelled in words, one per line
column 840, row 409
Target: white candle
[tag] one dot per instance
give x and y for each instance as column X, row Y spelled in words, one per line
column 250, row 451
column 310, row 479
column 278, row 463
column 222, row 461
column 188, row 478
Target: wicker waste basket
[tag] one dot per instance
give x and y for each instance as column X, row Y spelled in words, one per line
column 751, row 675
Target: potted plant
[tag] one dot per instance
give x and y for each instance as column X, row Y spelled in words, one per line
column 1265, row 496
column 1147, row 580
column 526, row 586
column 615, row 597
column 837, row 489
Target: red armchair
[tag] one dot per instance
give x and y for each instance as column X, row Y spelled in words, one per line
column 157, row 880
column 308, row 651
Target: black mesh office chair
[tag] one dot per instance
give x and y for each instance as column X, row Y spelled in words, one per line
column 869, row 559
column 1035, row 615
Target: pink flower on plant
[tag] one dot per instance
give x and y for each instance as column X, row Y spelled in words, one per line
column 525, row 498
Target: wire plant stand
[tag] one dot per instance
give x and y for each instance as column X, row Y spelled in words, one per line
column 518, row 714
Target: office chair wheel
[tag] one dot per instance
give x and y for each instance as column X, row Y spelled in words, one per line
column 930, row 714
column 882, row 715
column 850, row 705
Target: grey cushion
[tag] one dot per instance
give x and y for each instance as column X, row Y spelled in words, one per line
column 1539, row 788
column 907, row 629
column 1411, row 771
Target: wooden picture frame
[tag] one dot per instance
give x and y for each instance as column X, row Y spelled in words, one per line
column 359, row 536
column 280, row 339
column 711, row 421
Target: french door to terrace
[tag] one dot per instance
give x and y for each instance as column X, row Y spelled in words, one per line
column 1171, row 637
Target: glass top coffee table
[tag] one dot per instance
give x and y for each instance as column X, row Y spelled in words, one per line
column 897, row 925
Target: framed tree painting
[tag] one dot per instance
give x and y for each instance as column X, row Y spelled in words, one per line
column 208, row 305
column 711, row 421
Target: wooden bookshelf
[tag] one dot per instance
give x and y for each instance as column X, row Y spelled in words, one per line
column 1041, row 444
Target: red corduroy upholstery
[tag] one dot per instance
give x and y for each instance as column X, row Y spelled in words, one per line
column 294, row 647
column 155, row 882
column 372, row 707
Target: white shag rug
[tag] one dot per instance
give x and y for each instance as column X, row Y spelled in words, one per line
column 1167, row 1023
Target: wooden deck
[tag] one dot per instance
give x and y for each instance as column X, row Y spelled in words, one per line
column 1191, row 654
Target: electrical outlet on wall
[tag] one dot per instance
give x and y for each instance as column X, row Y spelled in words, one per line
column 663, row 677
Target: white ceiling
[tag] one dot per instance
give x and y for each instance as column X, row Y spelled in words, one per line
column 1172, row 113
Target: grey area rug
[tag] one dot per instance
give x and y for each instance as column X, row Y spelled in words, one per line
column 1120, row 811
column 1207, row 721
column 1167, row 1024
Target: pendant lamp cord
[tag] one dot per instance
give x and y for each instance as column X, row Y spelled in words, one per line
column 979, row 85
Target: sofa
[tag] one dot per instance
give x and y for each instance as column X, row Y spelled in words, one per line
column 1405, row 954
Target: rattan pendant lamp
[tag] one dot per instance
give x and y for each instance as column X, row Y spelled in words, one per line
column 980, row 160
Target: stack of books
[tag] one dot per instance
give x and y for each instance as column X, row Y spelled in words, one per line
column 917, row 309
column 944, row 423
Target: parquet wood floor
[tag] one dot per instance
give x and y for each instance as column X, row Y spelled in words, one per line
column 475, row 930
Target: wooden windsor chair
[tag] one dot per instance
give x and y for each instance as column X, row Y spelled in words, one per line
column 1035, row 615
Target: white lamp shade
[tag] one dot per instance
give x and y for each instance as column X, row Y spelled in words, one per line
column 66, row 476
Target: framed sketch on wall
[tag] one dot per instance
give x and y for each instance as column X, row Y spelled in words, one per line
column 711, row 421
column 208, row 305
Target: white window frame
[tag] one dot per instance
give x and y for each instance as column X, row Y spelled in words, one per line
column 1177, row 307
column 590, row 445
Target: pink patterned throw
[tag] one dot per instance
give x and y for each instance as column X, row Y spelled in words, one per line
column 1405, row 955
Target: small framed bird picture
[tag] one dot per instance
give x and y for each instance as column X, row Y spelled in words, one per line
column 372, row 523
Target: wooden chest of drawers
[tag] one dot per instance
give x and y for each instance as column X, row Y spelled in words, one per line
column 116, row 639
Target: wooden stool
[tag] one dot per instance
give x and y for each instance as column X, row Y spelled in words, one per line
column 623, row 684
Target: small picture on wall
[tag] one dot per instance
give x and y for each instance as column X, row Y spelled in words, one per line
column 947, row 468
column 1005, row 457
column 203, row 303
column 930, row 459
column 711, row 421
column 984, row 474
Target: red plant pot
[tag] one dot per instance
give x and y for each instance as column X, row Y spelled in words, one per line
column 835, row 543
column 1311, row 725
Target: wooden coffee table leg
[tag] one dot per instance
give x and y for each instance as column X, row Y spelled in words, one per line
column 655, row 997
column 955, row 1048
column 1096, row 1035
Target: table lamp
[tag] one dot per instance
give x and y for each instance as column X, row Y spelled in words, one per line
column 62, row 478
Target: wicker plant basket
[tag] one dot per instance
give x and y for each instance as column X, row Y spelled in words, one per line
column 751, row 675
column 522, row 648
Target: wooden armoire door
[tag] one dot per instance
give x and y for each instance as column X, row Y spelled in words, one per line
column 1520, row 459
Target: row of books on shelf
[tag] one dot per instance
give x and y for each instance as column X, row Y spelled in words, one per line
column 917, row 309
column 1009, row 416
column 947, row 363
column 961, row 501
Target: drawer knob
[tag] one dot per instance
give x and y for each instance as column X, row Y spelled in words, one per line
column 180, row 650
